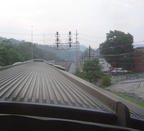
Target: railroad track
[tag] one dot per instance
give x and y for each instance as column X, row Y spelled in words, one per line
column 66, row 65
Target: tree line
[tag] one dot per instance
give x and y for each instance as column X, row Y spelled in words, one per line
column 91, row 71
column 11, row 53
column 118, row 49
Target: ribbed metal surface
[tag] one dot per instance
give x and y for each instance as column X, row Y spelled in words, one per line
column 38, row 82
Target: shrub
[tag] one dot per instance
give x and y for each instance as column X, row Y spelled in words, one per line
column 106, row 80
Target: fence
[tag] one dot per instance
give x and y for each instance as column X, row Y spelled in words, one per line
column 115, row 79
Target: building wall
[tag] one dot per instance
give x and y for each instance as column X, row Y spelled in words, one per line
column 139, row 59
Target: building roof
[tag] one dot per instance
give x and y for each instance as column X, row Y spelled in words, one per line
column 38, row 82
column 37, row 86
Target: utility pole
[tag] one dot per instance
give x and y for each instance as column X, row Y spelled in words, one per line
column 89, row 52
column 77, row 49
column 43, row 38
column 32, row 41
column 76, row 36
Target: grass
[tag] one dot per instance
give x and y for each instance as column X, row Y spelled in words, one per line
column 131, row 99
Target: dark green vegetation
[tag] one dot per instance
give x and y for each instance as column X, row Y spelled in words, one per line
column 91, row 70
column 106, row 80
column 140, row 103
column 117, row 49
column 48, row 52
column 11, row 53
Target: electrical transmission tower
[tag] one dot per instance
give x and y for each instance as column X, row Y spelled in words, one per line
column 77, row 46
column 69, row 45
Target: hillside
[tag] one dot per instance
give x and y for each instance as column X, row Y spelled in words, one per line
column 62, row 54
column 13, row 41
column 11, row 53
column 65, row 53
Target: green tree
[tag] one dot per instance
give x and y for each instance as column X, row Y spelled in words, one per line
column 91, row 69
column 117, row 49
column 25, row 49
column 8, row 53
column 11, row 53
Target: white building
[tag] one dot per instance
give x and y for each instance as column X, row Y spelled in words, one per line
column 105, row 66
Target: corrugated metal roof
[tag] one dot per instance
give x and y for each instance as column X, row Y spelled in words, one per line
column 38, row 82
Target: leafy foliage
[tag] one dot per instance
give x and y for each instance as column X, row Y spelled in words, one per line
column 11, row 53
column 106, row 80
column 117, row 49
column 129, row 98
column 91, row 65
column 91, row 70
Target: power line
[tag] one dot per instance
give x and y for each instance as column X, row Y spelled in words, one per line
column 120, row 54
column 10, row 33
column 121, row 45
column 92, row 36
column 112, row 47
column 89, row 40
column 139, row 41
column 126, row 60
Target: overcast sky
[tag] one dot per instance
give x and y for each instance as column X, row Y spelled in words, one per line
column 92, row 19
